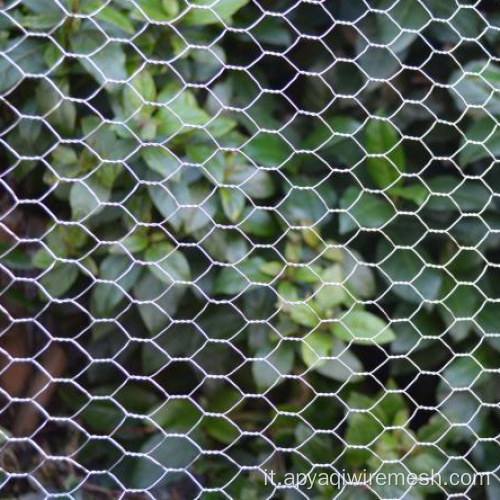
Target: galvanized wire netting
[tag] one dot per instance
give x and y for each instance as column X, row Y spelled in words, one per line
column 249, row 249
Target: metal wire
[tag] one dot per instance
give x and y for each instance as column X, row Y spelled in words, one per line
column 350, row 293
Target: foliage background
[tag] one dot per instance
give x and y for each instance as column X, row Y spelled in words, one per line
column 240, row 223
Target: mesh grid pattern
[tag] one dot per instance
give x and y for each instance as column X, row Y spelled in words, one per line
column 245, row 238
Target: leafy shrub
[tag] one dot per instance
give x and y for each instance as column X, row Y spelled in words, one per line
column 240, row 236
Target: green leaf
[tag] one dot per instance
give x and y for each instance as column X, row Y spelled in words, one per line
column 15, row 258
column 268, row 150
column 64, row 240
column 452, row 193
column 391, row 406
column 160, row 160
column 382, row 138
column 272, row 268
column 420, row 281
column 364, row 210
column 197, row 218
column 158, row 10
column 220, row 126
column 362, row 430
column 459, row 406
column 231, row 282
column 211, row 161
column 101, row 415
column 362, row 327
column 333, row 252
column 377, row 63
column 170, row 265
column 104, row 61
column 185, row 107
column 342, row 367
column 417, row 193
column 136, row 397
column 487, row 323
column 221, row 429
column 115, row 18
column 219, row 10
column 233, row 202
column 143, row 88
column 42, row 6
column 410, row 327
column 59, row 279
column 123, row 275
column 258, row 222
column 493, row 488
column 193, row 218
column 180, row 113
column 256, row 184
column 304, row 315
column 40, row 22
column 306, row 275
column 332, row 293
column 336, row 140
column 477, row 88
column 272, row 30
column 386, row 30
column 29, row 129
column 106, row 175
column 462, row 372
column 435, row 429
column 280, row 362
column 159, row 453
column 134, row 242
column 409, row 15
column 20, row 57
column 171, row 7
column 165, row 202
column 484, row 131
column 360, row 279
column 461, row 302
column 315, row 346
column 207, row 64
column 303, row 206
column 61, row 112
column 177, row 415
column 226, row 246
column 224, row 400
column 102, row 139
column 327, row 137
column 86, row 198
column 159, row 301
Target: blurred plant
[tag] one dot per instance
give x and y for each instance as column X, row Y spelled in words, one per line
column 227, row 273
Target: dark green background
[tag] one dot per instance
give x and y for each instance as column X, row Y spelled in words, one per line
column 213, row 200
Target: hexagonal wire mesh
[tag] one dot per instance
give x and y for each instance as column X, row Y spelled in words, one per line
column 249, row 249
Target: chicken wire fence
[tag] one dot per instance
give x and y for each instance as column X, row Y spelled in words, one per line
column 249, row 249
